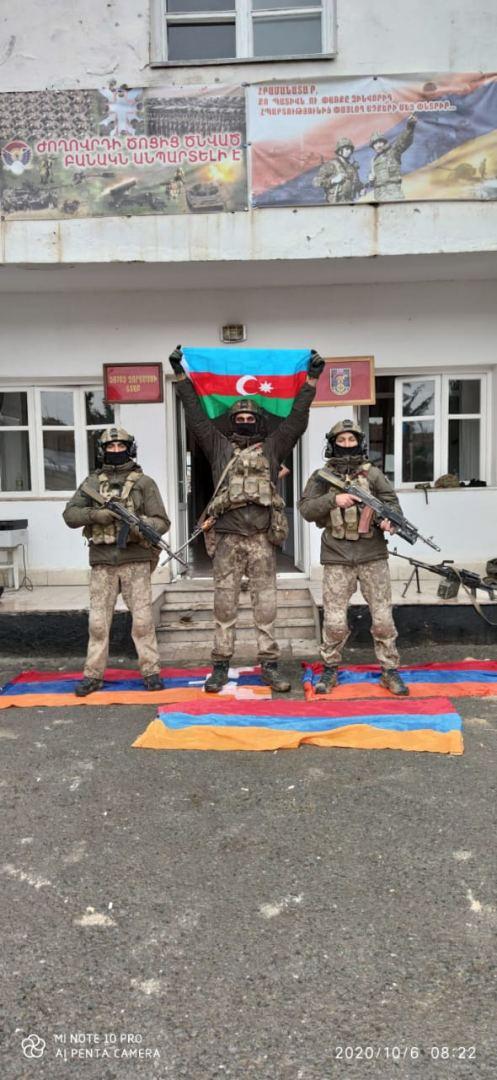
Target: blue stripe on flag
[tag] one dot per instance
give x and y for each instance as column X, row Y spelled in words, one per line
column 247, row 361
column 352, row 678
column 177, row 721
column 66, row 686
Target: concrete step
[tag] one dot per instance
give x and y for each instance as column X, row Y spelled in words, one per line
column 303, row 628
column 194, row 617
column 246, row 653
column 204, row 600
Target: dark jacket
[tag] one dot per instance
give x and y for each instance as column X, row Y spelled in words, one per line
column 147, row 502
column 319, row 499
column 218, row 449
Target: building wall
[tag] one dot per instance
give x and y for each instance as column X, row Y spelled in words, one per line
column 69, row 45
column 408, row 327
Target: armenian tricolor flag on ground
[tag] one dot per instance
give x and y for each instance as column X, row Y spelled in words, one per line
column 271, row 377
column 125, row 687
column 466, row 678
column 431, row 725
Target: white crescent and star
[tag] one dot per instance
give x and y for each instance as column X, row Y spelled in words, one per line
column 264, row 387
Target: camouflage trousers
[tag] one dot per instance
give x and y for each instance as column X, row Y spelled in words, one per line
column 235, row 556
column 133, row 579
column 390, row 191
column 339, row 585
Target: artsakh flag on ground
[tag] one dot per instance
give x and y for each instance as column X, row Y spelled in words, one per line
column 271, row 377
column 125, row 687
column 432, row 725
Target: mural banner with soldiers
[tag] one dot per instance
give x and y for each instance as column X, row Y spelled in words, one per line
column 121, row 152
column 374, row 139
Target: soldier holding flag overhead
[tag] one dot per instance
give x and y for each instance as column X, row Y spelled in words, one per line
column 249, row 514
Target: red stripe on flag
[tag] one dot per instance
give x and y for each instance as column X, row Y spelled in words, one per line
column 382, row 707
column 281, row 386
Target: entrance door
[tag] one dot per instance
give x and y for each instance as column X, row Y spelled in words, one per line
column 184, row 478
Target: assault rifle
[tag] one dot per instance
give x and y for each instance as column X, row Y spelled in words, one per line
column 403, row 527
column 132, row 521
column 454, row 577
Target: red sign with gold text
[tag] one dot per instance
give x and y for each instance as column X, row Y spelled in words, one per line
column 347, row 380
column 133, row 384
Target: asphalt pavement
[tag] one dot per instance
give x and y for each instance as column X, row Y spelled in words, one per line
column 297, row 915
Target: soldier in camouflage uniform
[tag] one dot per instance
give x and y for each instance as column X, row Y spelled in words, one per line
column 249, row 514
column 353, row 551
column 339, row 178
column 385, row 166
column 114, row 567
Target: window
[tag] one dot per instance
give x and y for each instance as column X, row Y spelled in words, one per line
column 15, row 458
column 423, row 427
column 48, row 438
column 210, row 31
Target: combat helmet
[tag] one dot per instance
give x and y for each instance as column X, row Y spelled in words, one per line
column 247, row 405
column 345, row 427
column 116, row 434
column 377, row 136
column 342, row 143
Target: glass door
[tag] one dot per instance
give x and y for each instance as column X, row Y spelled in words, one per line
column 184, row 481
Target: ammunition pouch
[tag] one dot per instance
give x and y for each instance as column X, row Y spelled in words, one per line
column 352, row 523
column 448, row 590
column 210, row 540
column 278, row 528
column 108, row 534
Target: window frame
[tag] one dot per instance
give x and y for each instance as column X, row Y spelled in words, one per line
column 441, row 419
column 243, row 16
column 35, row 428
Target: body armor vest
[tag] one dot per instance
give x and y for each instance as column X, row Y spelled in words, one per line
column 345, row 523
column 248, row 481
column 107, row 534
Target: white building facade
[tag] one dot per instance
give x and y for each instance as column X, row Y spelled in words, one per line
column 413, row 284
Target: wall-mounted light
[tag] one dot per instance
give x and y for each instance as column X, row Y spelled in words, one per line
column 233, row 334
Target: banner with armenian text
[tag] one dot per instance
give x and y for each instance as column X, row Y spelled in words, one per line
column 376, row 138
column 122, row 152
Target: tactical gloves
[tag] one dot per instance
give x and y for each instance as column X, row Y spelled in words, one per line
column 175, row 361
column 102, row 517
column 316, row 365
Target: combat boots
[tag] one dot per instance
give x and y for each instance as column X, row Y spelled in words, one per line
column 218, row 678
column 269, row 675
column 87, row 686
column 327, row 680
column 153, row 682
column 391, row 680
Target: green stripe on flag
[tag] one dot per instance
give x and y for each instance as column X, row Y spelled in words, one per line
column 216, row 404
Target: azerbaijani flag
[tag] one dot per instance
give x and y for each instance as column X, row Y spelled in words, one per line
column 431, row 725
column 271, row 377
column 462, row 678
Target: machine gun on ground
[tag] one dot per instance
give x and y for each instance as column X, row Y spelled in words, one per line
column 453, row 575
column 403, row 527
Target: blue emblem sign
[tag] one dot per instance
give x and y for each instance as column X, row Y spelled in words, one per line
column 340, row 380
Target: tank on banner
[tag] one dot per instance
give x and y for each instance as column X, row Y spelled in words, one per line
column 122, row 152
column 375, row 139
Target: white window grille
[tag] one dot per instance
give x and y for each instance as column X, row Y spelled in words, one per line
column 440, row 427
column 222, row 31
column 48, row 437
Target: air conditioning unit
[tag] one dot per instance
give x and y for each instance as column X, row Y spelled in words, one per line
column 233, row 334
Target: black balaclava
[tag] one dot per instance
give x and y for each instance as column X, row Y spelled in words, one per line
column 244, row 435
column 116, row 457
column 346, row 459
